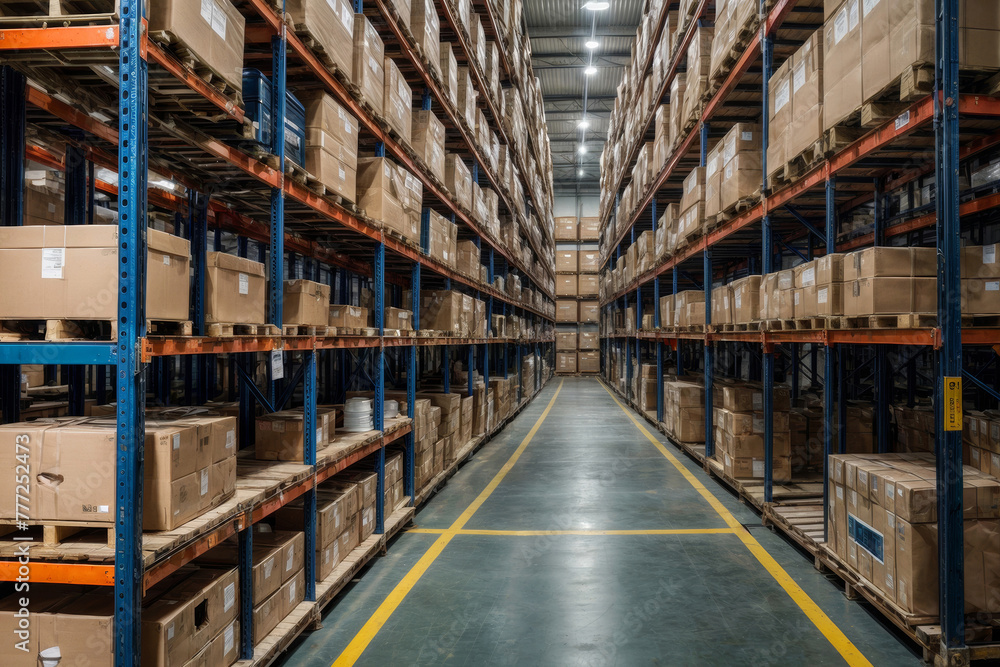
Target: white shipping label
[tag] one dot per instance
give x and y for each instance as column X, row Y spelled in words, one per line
column 840, row 493
column 798, row 77
column 855, row 14
column 781, row 96
column 229, row 598
column 277, row 365
column 840, row 26
column 219, row 22
column 319, row 434
column 291, row 592
column 170, row 632
column 746, row 136
column 204, row 481
column 103, row 509
column 758, row 467
column 207, row 10
column 290, row 558
column 326, row 555
column 992, row 286
column 347, row 18
column 53, row 261
column 341, row 173
column 177, row 440
column 796, row 298
column 166, row 260
column 869, row 5
column 989, row 254
column 244, row 283
column 902, row 120
column 230, row 638
column 809, row 277
column 230, row 439
column 738, row 300
column 268, row 567
column 821, row 295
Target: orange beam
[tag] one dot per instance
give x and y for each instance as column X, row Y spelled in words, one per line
column 61, row 573
column 186, row 76
column 59, row 38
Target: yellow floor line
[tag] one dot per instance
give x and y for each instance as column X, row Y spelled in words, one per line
column 389, row 605
column 532, row 533
column 834, row 635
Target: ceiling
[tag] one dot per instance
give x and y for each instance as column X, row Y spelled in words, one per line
column 558, row 30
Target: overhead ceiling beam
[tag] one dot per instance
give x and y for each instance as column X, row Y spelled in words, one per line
column 550, row 32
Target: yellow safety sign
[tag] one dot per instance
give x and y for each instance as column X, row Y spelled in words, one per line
column 953, row 404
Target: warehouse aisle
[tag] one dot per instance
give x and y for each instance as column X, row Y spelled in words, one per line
column 573, row 539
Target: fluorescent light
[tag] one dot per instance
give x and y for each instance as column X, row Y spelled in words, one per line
column 590, row 70
column 580, row 173
column 582, row 149
column 597, row 5
column 591, row 44
column 583, row 124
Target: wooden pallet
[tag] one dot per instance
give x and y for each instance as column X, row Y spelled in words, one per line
column 190, row 60
column 168, row 328
column 59, row 330
column 307, row 330
column 229, row 330
column 54, row 533
column 56, row 13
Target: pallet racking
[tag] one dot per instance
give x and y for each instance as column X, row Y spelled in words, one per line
column 929, row 136
column 119, row 101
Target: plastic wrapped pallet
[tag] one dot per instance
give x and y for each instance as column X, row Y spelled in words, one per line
column 369, row 63
column 332, row 145
column 331, row 24
column 466, row 97
column 397, row 101
column 428, row 141
column 449, row 72
column 306, row 303
column 212, row 30
column 697, row 74
column 676, row 124
column 458, row 180
column 443, row 239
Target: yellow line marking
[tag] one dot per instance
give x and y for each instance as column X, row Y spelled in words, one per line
column 532, row 533
column 834, row 635
column 389, row 605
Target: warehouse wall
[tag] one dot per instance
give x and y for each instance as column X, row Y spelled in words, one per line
column 583, row 206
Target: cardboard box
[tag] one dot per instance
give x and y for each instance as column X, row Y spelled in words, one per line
column 588, row 362
column 806, row 126
column 428, row 140
column 590, row 229
column 566, row 362
column 587, row 284
column 566, row 341
column 381, row 190
column 588, row 261
column 426, row 28
column 348, row 317
column 567, row 229
column 458, row 180
column 397, row 318
column 331, row 24
column 590, row 312
column 566, row 285
column 397, row 101
column 64, row 273
column 444, row 310
column 306, row 303
column 369, row 63
column 843, row 86
column 280, row 436
column 235, row 289
column 746, row 299
column 212, row 30
column 889, row 296
column 567, row 260
column 567, row 311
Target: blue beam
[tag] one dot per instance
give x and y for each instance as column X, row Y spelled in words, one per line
column 309, row 399
column 805, row 223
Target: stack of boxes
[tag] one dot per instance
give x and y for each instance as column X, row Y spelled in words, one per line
column 452, row 311
column 684, row 411
column 981, row 437
column 577, row 287
column 738, row 421
column 883, row 526
column 390, row 194
column 332, row 145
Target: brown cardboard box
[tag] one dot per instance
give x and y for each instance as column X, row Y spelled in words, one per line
column 694, row 188
column 449, row 72
column 589, row 340
column 746, row 299
column 842, row 74
column 397, row 318
column 980, row 296
column 566, row 341
column 458, row 180
column 43, row 206
column 64, row 273
column 566, row 285
column 567, row 311
column 588, row 362
column 426, row 28
column 566, row 362
column 980, row 261
column 589, row 261
column 397, row 101
column 348, row 317
column 330, row 24
column 234, row 289
column 443, row 241
column 445, row 310
column 883, row 262
column 265, row 572
column 212, row 31
column 829, row 299
column 806, row 127
column 713, row 179
column 381, row 190
column 292, row 593
column 590, row 312
column 266, row 617
column 306, row 303
column 587, row 284
column 888, row 296
column 339, row 176
column 590, row 229
column 567, row 260
column 741, row 178
column 567, row 229
column 280, row 437
column 428, row 140
column 369, row 62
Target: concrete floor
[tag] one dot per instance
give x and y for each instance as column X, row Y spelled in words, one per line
column 590, row 599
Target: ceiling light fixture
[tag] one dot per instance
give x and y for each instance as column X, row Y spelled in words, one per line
column 582, row 149
column 583, row 124
column 590, row 70
column 580, row 173
column 597, row 5
column 591, row 44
